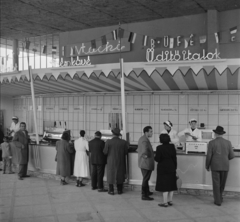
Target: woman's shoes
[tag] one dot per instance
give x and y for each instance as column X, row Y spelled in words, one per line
column 170, row 203
column 63, row 182
column 163, row 205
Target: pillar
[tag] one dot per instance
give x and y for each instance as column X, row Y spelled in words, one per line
column 15, row 55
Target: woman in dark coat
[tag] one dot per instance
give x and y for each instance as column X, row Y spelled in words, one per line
column 63, row 157
column 166, row 170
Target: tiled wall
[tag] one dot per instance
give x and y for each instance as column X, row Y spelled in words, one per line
column 96, row 120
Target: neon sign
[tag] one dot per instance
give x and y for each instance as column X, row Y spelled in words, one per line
column 176, row 55
column 75, row 62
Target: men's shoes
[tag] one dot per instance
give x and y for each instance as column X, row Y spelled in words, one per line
column 26, row 176
column 150, row 193
column 102, row 190
column 217, row 204
column 120, row 192
column 94, row 188
column 20, row 178
column 147, row 198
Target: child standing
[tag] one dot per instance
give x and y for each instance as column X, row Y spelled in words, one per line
column 6, row 155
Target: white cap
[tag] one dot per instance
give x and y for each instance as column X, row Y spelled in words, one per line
column 192, row 120
column 168, row 123
column 14, row 117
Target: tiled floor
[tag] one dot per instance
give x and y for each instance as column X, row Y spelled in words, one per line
column 45, row 200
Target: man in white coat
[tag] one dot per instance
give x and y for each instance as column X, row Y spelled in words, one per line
column 192, row 133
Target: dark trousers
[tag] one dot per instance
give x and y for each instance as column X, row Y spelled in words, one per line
column 219, row 179
column 7, row 162
column 146, row 177
column 22, row 172
column 119, row 187
column 97, row 175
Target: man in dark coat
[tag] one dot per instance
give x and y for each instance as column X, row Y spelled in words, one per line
column 218, row 155
column 98, row 161
column 21, row 140
column 146, row 161
column 1, row 141
column 116, row 150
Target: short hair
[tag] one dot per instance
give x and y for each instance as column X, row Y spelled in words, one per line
column 66, row 136
column 5, row 137
column 82, row 133
column 22, row 123
column 164, row 138
column 98, row 133
column 146, row 129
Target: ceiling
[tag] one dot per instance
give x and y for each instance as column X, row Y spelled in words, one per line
column 33, row 18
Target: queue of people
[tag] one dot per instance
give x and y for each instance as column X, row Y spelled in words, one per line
column 113, row 152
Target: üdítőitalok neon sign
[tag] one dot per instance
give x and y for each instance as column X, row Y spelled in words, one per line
column 176, row 55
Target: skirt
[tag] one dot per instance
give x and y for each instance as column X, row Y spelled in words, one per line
column 166, row 182
column 81, row 164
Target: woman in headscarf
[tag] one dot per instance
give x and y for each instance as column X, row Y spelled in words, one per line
column 168, row 129
column 81, row 163
column 63, row 157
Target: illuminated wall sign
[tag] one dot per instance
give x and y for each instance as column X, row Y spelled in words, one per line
column 198, row 109
column 77, row 108
column 85, row 49
column 228, row 109
column 49, row 108
column 168, row 109
column 75, row 62
column 116, row 109
column 141, row 109
column 63, row 108
column 176, row 55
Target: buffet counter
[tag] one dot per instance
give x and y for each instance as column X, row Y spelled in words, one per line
column 191, row 168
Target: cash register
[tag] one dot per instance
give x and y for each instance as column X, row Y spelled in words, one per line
column 200, row 146
column 54, row 134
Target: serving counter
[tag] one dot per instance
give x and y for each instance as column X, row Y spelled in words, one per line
column 191, row 168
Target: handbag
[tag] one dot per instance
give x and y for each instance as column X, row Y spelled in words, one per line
column 178, row 181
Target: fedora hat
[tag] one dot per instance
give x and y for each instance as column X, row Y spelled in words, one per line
column 116, row 132
column 219, row 130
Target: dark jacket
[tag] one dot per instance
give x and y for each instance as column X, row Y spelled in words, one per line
column 96, row 147
column 218, row 155
column 116, row 150
column 20, row 138
column 167, row 159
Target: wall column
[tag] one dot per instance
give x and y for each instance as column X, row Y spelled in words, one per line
column 15, row 55
column 212, row 27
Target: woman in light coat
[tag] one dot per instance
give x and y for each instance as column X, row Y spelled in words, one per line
column 174, row 139
column 81, row 163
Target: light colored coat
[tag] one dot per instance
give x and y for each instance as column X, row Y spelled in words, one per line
column 145, row 154
column 218, row 155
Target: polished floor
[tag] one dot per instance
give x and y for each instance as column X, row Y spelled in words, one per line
column 45, row 200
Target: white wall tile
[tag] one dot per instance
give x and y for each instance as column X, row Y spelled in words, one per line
column 164, row 99
column 65, row 100
column 129, row 108
column 70, row 100
column 212, row 109
column 223, row 119
column 75, row 100
column 100, row 100
column 223, row 99
column 65, row 116
column 99, row 126
column 137, row 100
column 156, row 109
column 203, row 119
column 60, row 101
column 233, row 131
column 146, row 99
column 100, row 117
column 212, row 120
column 115, row 100
column 93, row 126
column 75, row 125
column 234, row 140
column 146, row 119
column 130, row 127
column 107, row 100
column 213, row 99
column 136, row 136
column 107, row 108
column 130, row 118
column 137, row 118
column 183, row 119
column 203, row 100
column 163, row 117
column 156, row 99
column 233, row 120
column 137, row 128
column 193, row 99
column 81, row 100
column 173, row 118
column 233, row 99
column 80, row 116
column 173, row 99
column 93, row 117
column 70, row 116
column 183, row 109
column 129, row 100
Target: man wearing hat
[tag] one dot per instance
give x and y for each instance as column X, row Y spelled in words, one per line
column 116, row 150
column 98, row 161
column 192, row 133
column 15, row 126
column 218, row 155
column 171, row 132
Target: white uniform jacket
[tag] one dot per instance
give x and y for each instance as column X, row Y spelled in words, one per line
column 197, row 133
